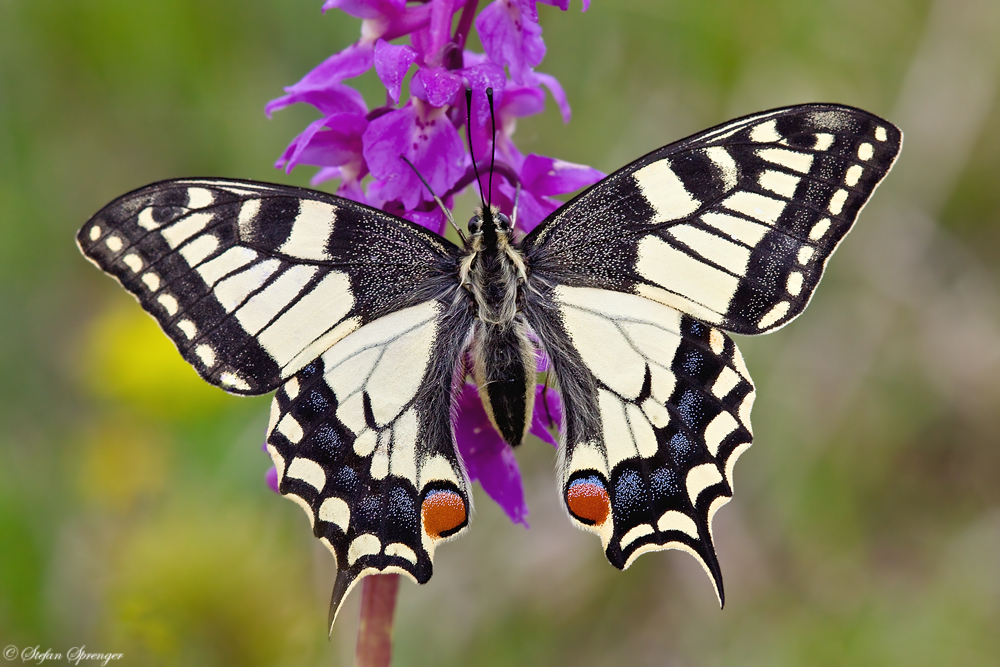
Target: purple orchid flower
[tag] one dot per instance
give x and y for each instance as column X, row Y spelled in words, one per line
column 541, row 177
column 335, row 144
column 424, row 135
column 511, row 36
column 362, row 147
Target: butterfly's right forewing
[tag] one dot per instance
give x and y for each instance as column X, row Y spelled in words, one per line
column 254, row 281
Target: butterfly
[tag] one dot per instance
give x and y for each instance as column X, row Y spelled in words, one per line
column 362, row 322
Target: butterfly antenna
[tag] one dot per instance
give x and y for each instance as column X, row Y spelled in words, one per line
column 493, row 150
column 440, row 203
column 468, row 129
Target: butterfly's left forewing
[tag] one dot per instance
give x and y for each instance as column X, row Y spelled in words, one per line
column 252, row 281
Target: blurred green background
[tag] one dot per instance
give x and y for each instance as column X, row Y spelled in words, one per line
column 866, row 526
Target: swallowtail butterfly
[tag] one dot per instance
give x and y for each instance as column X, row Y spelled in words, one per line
column 360, row 320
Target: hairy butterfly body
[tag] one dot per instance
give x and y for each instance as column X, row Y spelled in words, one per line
column 362, row 321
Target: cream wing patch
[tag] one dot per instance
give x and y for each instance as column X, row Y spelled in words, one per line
column 665, row 192
column 376, row 373
column 685, row 280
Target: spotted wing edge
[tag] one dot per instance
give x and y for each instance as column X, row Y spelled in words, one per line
column 657, row 411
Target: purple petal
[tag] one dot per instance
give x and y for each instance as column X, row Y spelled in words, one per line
column 289, row 159
column 428, row 140
column 479, row 74
column 558, row 94
column 510, row 37
column 335, row 98
column 521, row 101
column 433, row 220
column 546, row 176
column 508, row 153
column 271, row 478
column 439, row 30
column 353, row 61
column 328, row 142
column 564, row 4
column 392, row 62
column 350, row 182
column 350, row 185
column 321, row 88
column 547, row 414
column 435, row 85
column 480, row 77
column 487, row 457
column 325, row 174
column 365, row 9
column 542, row 363
column 334, row 143
column 528, row 8
column 531, row 209
column 396, row 24
column 473, row 58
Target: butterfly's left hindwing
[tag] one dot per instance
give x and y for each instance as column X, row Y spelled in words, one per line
column 362, row 440
column 657, row 409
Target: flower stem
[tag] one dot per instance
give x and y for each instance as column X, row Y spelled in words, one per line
column 378, row 603
column 465, row 23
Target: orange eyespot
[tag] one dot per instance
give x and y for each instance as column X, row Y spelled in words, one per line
column 443, row 512
column 588, row 501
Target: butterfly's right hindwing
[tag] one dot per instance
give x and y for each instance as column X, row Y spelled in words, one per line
column 362, row 440
column 253, row 281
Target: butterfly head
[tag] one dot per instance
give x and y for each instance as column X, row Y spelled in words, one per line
column 488, row 227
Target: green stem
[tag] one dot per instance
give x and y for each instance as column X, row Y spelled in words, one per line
column 378, row 603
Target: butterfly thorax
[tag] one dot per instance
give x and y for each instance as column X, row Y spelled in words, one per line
column 494, row 272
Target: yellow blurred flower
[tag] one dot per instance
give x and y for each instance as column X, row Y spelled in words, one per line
column 126, row 358
column 121, row 462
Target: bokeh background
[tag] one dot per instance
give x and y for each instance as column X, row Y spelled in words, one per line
column 866, row 527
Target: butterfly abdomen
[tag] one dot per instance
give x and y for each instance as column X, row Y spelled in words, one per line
column 504, row 369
